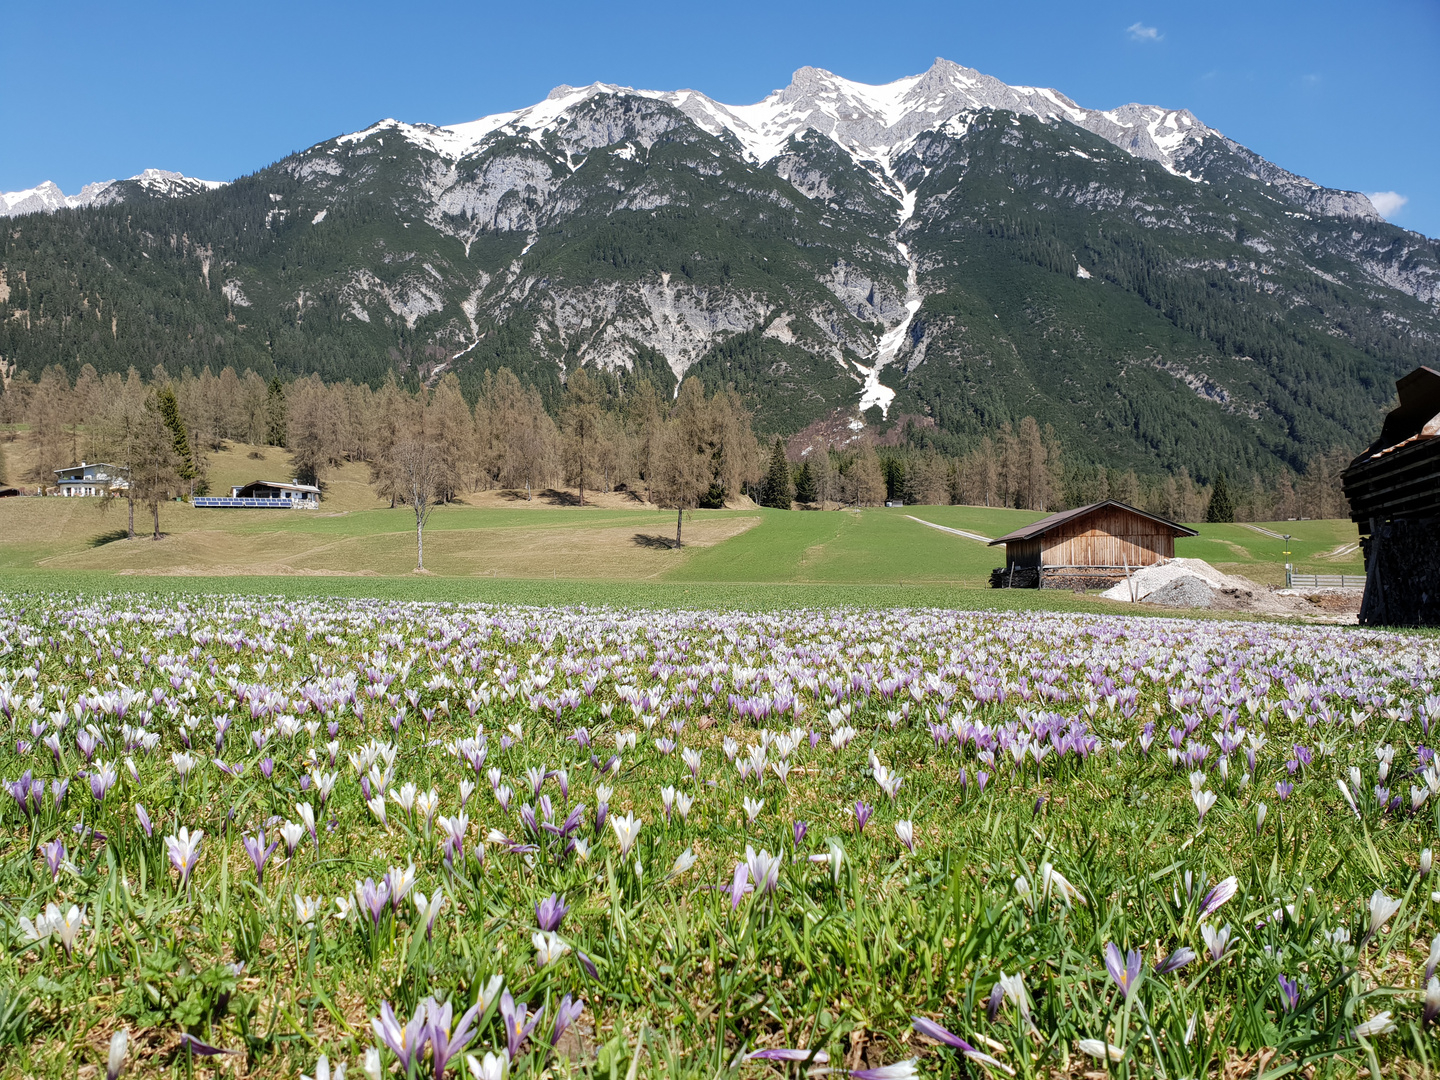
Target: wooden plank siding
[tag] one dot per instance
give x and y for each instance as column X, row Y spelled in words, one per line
column 1110, row 536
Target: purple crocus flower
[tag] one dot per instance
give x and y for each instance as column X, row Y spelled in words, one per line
column 1175, row 961
column 550, row 912
column 102, row 779
column 374, row 897
column 406, row 1042
column 1219, row 895
column 446, row 1044
column 517, row 1029
column 201, row 1049
column 54, row 852
column 566, row 1013
column 1289, row 993
column 863, row 810
column 800, row 828
column 1124, row 970
column 144, row 818
column 258, row 852
column 996, row 999
column 58, row 790
column 932, row 1030
column 587, row 964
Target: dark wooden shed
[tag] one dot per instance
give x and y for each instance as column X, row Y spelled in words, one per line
column 1090, row 547
column 1394, row 493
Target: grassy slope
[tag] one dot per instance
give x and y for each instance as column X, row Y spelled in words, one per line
column 615, row 541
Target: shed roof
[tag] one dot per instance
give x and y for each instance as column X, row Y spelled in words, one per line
column 1048, row 524
column 1415, row 419
column 282, row 485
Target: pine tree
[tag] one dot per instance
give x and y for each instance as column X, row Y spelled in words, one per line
column 275, row 413
column 804, row 484
column 169, row 408
column 778, row 488
column 1221, row 508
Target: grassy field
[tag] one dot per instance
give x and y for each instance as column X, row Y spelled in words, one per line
column 239, row 834
column 619, row 539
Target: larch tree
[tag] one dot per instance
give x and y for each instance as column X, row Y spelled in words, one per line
column 581, row 422
column 49, row 412
column 450, row 429
column 156, row 468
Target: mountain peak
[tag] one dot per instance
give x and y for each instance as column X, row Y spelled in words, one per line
column 46, row 197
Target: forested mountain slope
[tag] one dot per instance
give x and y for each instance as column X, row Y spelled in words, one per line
column 945, row 248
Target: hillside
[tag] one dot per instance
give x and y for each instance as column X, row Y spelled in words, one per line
column 945, row 248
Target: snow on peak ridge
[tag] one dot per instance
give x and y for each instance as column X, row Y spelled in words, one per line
column 869, row 121
column 46, row 197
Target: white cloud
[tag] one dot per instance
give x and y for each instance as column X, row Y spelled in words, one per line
column 1387, row 203
column 1141, row 32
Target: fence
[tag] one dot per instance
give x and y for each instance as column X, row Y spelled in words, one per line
column 1323, row 581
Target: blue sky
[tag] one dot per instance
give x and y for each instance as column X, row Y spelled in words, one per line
column 1346, row 94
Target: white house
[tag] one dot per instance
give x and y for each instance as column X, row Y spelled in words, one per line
column 92, row 478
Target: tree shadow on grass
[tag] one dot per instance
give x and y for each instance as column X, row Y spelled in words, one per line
column 108, row 537
column 647, row 541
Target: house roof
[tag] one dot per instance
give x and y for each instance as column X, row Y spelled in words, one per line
column 282, row 485
column 90, row 465
column 1048, row 524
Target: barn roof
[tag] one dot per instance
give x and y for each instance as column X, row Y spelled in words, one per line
column 1048, row 524
column 1398, row 475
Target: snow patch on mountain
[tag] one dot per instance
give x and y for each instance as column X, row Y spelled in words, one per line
column 47, row 197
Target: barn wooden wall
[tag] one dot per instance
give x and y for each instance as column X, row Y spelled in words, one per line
column 1109, row 537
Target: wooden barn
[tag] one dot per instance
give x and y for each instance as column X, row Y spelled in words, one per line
column 1090, row 547
column 1394, row 493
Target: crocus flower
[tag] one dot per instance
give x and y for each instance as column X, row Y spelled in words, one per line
column 863, row 810
column 566, row 1013
column 102, row 779
column 799, row 829
column 1289, row 993
column 1432, row 999
column 739, row 884
column 930, row 1029
column 1100, row 1049
column 550, row 912
column 517, row 1028
column 1434, row 959
column 494, row 1067
column 54, row 852
column 1124, row 970
column 906, row 832
column 1379, row 1024
column 119, row 1044
column 901, row 1070
column 291, row 832
column 184, row 851
column 259, row 853
column 1381, row 910
column 1222, row 892
column 429, row 909
column 548, row 948
column 201, row 1049
column 764, row 869
column 1175, row 961
column 447, row 1044
column 407, row 1042
column 1216, row 941
column 627, row 831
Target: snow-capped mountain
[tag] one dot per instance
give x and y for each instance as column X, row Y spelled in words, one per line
column 152, row 183
column 944, row 249
column 874, row 124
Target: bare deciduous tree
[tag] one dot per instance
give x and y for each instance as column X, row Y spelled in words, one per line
column 420, row 474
